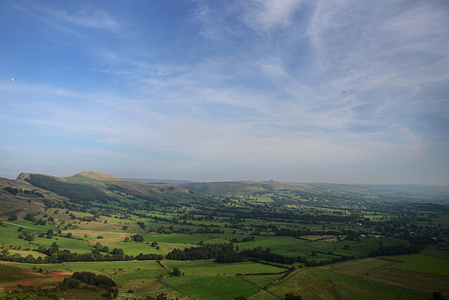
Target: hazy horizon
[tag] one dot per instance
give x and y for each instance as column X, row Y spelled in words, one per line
column 293, row 90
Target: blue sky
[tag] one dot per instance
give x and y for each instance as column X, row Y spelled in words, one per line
column 289, row 90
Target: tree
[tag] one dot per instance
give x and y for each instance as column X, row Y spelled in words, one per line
column 290, row 296
column 137, row 238
column 99, row 246
column 117, row 251
column 177, row 272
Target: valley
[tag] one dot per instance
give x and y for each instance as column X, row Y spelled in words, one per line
column 222, row 240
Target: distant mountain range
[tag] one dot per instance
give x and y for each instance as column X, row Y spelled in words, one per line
column 30, row 191
column 159, row 181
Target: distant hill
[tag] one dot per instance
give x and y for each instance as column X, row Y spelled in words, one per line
column 159, row 181
column 438, row 193
column 30, row 191
column 97, row 176
column 243, row 188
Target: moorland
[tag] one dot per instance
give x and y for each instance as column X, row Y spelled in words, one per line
column 95, row 236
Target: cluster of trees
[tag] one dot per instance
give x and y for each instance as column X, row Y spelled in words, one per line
column 90, row 278
column 259, row 253
column 350, row 234
column 16, row 191
column 397, row 250
column 54, row 255
column 221, row 251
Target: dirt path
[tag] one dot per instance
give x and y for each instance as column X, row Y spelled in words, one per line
column 24, row 226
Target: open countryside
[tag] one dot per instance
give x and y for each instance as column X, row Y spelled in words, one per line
column 182, row 241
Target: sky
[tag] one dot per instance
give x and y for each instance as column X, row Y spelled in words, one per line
column 342, row 91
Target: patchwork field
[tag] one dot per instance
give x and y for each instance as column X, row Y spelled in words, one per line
column 102, row 226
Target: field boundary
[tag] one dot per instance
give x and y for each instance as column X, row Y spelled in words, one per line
column 261, row 288
column 67, row 267
column 434, row 256
column 176, row 289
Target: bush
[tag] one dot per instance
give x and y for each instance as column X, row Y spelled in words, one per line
column 12, row 218
column 137, row 238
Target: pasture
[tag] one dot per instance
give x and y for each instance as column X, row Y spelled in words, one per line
column 385, row 271
column 311, row 283
column 425, row 283
column 213, row 287
column 422, row 263
column 232, row 269
column 359, row 267
column 113, row 265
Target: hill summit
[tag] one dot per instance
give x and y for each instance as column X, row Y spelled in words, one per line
column 97, row 176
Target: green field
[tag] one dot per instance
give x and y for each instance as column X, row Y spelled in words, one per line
column 212, row 287
column 232, row 269
column 55, row 267
column 114, row 265
column 422, row 263
column 315, row 284
column 426, row 283
column 385, row 271
column 360, row 267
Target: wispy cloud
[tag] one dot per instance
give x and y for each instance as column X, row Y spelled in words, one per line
column 266, row 14
column 87, row 16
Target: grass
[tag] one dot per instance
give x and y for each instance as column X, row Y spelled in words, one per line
column 130, row 277
column 115, row 265
column 385, row 271
column 360, row 267
column 187, row 264
column 422, row 263
column 25, row 253
column 213, row 287
column 74, row 245
column 53, row 267
column 263, row 280
column 133, row 248
column 315, row 284
column 232, row 269
column 426, row 283
column 10, row 273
